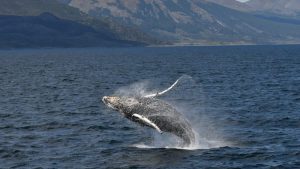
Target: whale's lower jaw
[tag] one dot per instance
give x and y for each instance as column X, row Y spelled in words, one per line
column 108, row 104
column 111, row 106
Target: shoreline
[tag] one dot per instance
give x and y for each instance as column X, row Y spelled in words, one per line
column 146, row 46
column 220, row 45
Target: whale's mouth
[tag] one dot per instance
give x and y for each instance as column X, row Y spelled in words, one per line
column 106, row 101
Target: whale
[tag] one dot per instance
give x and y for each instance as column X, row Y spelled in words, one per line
column 150, row 111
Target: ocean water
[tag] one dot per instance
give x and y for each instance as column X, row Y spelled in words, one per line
column 242, row 101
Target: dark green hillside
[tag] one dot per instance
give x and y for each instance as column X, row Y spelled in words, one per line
column 47, row 30
column 37, row 7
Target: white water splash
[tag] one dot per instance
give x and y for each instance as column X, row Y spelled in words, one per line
column 169, row 141
column 206, row 134
column 135, row 89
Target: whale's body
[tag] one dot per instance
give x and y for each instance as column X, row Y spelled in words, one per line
column 154, row 113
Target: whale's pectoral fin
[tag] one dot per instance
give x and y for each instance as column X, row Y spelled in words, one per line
column 163, row 92
column 147, row 121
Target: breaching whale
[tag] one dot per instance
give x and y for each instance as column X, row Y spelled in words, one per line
column 152, row 112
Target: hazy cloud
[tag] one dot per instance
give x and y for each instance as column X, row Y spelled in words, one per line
column 243, row 0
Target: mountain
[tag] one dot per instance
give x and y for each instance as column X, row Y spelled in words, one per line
column 68, row 13
column 282, row 11
column 155, row 22
column 47, row 30
column 233, row 4
column 280, row 7
column 192, row 21
column 290, row 8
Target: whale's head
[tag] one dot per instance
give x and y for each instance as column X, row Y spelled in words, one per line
column 122, row 104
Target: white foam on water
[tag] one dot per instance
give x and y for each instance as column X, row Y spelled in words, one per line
column 210, row 144
column 169, row 141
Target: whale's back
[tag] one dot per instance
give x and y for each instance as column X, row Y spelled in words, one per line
column 166, row 117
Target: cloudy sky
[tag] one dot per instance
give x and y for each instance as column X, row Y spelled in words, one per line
column 242, row 0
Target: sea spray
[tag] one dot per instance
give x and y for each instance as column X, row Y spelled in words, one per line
column 190, row 100
column 137, row 89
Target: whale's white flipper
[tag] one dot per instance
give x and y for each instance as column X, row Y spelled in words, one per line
column 147, row 121
column 163, row 92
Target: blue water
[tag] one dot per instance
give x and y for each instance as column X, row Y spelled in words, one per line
column 243, row 102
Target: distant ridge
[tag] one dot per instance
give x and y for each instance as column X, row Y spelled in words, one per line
column 63, row 11
column 282, row 11
column 47, row 30
column 289, row 8
column 150, row 22
column 208, row 22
